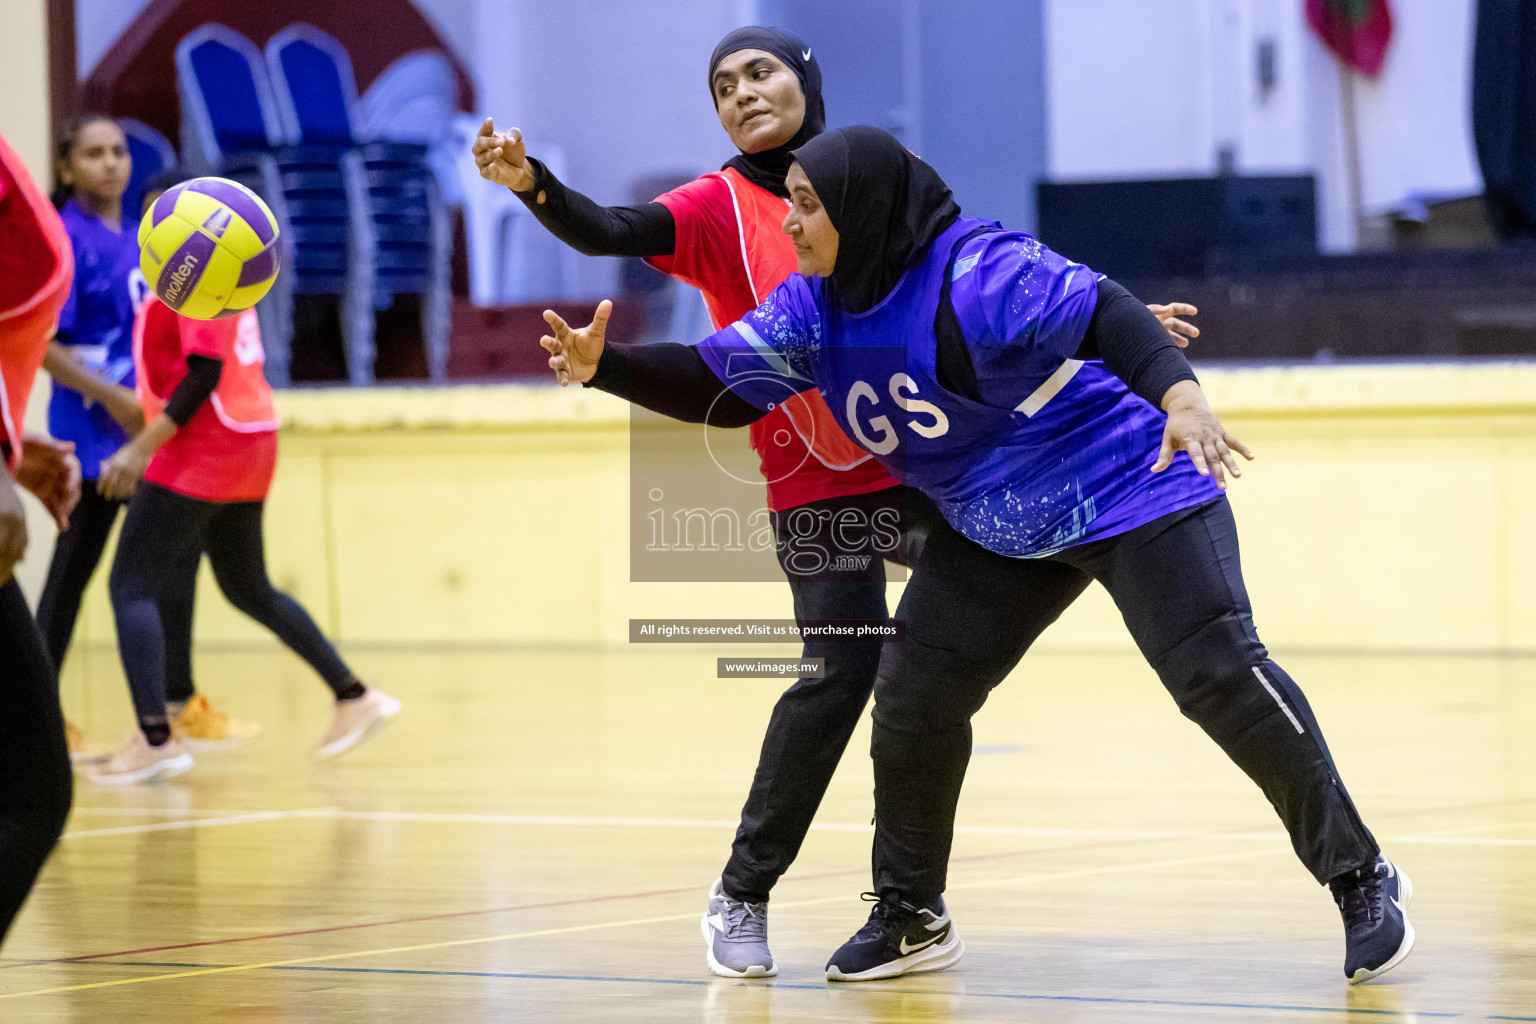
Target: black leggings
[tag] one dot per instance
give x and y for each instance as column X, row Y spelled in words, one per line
column 972, row 614
column 75, row 557
column 156, row 569
column 813, row 719
column 35, row 783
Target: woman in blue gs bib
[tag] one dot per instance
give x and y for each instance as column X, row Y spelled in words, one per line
column 1042, row 408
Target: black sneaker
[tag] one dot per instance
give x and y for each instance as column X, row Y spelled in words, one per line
column 1377, row 935
column 897, row 939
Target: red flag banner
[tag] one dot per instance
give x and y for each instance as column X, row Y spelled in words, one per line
column 1356, row 30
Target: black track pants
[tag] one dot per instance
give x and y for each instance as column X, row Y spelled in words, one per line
column 813, row 720
column 972, row 614
column 35, row 783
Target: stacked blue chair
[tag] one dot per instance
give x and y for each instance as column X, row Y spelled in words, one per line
column 399, row 213
column 152, row 155
column 231, row 127
column 414, row 99
column 411, row 100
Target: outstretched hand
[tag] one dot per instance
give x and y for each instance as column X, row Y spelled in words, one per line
column 1193, row 428
column 1177, row 329
column 574, row 352
column 502, row 158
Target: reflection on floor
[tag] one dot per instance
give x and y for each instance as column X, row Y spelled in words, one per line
column 533, row 838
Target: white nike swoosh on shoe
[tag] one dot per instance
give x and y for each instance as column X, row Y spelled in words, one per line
column 905, row 949
column 717, row 922
column 1396, row 904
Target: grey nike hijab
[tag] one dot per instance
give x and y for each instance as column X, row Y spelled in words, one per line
column 767, row 169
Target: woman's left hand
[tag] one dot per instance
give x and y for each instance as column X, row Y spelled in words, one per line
column 1177, row 329
column 1193, row 428
column 120, row 474
column 50, row 470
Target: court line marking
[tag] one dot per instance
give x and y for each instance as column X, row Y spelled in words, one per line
column 633, row 922
column 388, row 922
column 1441, row 837
column 825, row 986
column 187, row 823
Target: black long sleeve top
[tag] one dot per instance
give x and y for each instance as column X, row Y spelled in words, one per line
column 203, row 373
column 593, row 230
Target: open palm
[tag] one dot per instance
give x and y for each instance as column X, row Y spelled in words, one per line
column 574, row 352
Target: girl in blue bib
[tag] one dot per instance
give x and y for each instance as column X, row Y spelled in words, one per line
column 93, row 403
column 1065, row 440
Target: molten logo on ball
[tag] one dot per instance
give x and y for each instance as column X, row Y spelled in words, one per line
column 176, row 289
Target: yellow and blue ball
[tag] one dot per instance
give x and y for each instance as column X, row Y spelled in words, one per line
column 208, row 248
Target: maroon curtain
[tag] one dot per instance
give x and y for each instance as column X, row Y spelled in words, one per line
column 137, row 77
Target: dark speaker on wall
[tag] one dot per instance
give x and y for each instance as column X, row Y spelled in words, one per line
column 1177, row 226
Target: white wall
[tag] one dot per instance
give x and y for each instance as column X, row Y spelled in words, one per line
column 621, row 86
column 1128, row 88
column 1141, row 88
column 24, row 83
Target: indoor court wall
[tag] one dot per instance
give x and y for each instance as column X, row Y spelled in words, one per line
column 24, row 82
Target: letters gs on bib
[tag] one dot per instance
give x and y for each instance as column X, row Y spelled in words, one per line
column 924, row 418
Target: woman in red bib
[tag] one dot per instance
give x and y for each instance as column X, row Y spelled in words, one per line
column 36, row 268
column 206, row 458
column 721, row 233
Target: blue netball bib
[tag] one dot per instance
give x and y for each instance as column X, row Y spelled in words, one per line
column 97, row 325
column 1056, row 452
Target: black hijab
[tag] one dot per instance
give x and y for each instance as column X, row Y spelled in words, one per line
column 767, row 169
column 886, row 204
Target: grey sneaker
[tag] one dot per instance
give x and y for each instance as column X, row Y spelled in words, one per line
column 736, row 937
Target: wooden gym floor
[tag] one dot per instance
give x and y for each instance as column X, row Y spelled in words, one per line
column 533, row 838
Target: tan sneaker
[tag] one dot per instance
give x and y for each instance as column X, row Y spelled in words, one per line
column 79, row 753
column 137, row 762
column 356, row 720
column 201, row 726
